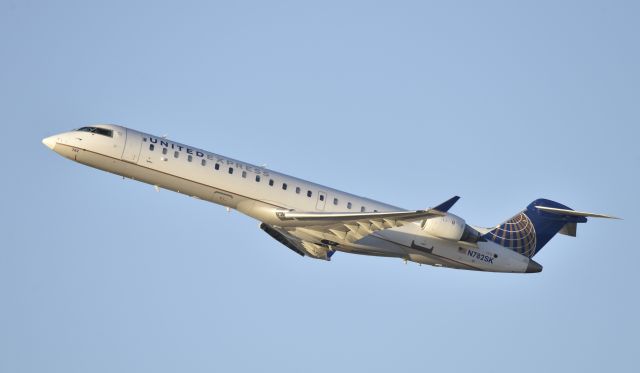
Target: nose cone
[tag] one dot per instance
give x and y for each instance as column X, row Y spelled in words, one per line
column 533, row 267
column 50, row 142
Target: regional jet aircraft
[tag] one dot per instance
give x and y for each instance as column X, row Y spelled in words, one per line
column 314, row 220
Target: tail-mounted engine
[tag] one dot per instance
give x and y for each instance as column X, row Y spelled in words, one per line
column 450, row 227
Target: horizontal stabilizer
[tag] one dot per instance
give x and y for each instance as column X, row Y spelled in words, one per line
column 559, row 211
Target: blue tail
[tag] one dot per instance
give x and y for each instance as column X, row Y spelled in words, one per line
column 527, row 232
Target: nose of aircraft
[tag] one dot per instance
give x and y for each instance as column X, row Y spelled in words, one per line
column 50, row 142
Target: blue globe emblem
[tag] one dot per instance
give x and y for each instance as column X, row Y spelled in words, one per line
column 517, row 234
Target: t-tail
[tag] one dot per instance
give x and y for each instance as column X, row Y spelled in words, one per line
column 527, row 232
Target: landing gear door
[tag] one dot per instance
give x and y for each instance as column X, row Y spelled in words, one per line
column 132, row 147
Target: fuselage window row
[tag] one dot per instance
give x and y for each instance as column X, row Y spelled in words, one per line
column 216, row 167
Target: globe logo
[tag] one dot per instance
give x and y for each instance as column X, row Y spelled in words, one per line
column 517, row 234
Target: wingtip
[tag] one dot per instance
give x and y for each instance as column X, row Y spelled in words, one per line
column 446, row 205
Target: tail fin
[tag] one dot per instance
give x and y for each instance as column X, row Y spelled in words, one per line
column 531, row 229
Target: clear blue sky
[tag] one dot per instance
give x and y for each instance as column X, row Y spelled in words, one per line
column 405, row 102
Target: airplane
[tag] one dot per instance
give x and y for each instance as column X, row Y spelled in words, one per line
column 317, row 221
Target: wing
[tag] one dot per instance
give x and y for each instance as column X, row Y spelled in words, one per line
column 316, row 234
column 333, row 229
column 297, row 245
column 354, row 217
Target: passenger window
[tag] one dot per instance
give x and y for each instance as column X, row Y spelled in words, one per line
column 230, row 170
column 322, row 197
column 164, row 150
column 335, row 201
column 375, row 210
column 257, row 178
column 151, row 147
column 244, row 174
column 297, row 190
column 309, row 193
column 217, row 166
column 362, row 209
column 284, row 186
column 349, row 205
column 176, row 154
column 190, row 158
column 270, row 182
column 204, row 162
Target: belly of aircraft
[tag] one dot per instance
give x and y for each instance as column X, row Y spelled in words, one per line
column 423, row 253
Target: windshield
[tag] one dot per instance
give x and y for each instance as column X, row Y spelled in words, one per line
column 98, row 130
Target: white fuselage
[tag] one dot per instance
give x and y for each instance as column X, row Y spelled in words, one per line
column 260, row 193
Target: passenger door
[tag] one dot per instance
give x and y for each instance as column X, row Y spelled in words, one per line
column 132, row 147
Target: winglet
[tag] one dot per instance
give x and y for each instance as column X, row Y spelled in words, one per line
column 446, row 205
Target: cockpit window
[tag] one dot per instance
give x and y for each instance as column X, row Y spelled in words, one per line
column 104, row 132
column 99, row 131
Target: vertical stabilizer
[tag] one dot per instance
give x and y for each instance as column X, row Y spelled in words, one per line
column 528, row 231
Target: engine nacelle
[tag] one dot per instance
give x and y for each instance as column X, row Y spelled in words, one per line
column 449, row 227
